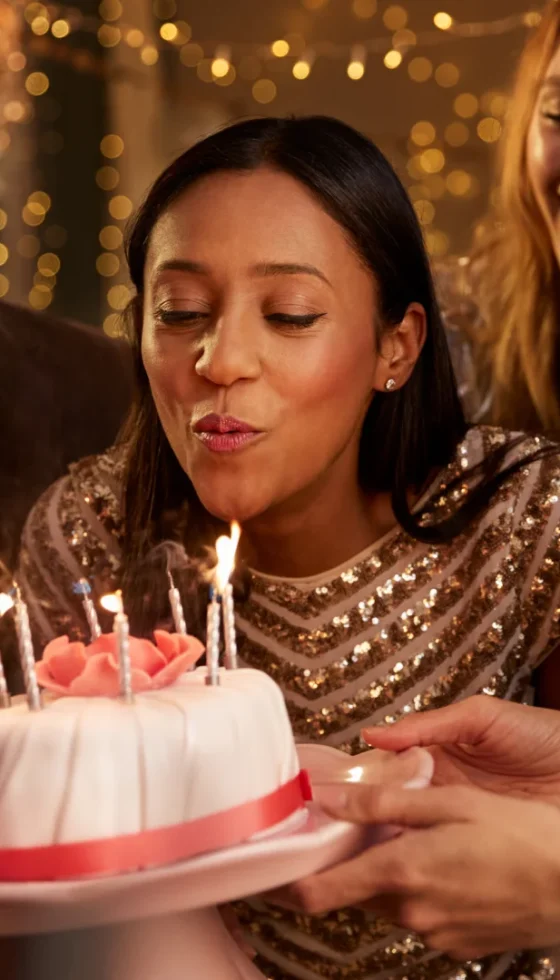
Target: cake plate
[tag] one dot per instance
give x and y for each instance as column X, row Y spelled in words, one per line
column 162, row 923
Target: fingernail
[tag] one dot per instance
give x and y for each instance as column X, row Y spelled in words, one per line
column 331, row 796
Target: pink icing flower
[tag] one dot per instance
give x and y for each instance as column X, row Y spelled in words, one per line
column 86, row 671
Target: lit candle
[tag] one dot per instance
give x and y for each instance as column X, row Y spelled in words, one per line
column 213, row 639
column 176, row 607
column 113, row 603
column 6, row 602
column 27, row 657
column 83, row 589
column 226, row 549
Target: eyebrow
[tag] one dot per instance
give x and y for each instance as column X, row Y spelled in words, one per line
column 262, row 269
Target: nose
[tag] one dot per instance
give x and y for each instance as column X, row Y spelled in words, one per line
column 229, row 353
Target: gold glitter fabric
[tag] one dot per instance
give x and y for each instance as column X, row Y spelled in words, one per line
column 402, row 627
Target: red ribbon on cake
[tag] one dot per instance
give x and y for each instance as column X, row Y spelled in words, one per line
column 152, row 848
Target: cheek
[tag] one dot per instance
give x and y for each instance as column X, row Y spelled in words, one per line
column 334, row 377
column 169, row 367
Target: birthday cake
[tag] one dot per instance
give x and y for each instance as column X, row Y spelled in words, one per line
column 93, row 784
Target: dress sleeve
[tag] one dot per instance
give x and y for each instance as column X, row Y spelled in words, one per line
column 71, row 532
column 536, row 539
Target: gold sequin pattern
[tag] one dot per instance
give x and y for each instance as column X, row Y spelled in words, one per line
column 416, row 622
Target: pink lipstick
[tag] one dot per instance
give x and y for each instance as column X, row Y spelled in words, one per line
column 224, row 433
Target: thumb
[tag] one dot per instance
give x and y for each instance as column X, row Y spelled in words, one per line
column 465, row 723
column 395, row 805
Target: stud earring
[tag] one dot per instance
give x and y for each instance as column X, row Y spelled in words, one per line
column 390, row 384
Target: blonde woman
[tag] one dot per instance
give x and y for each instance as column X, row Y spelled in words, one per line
column 507, row 297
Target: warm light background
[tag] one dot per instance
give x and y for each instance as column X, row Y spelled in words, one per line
column 96, row 99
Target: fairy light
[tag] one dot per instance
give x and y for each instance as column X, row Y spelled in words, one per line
column 364, row 9
column 111, row 146
column 221, row 63
column 37, row 83
column 302, row 68
column 466, row 105
column 4, row 254
column 395, row 18
column 4, row 285
column 423, row 133
column 120, row 207
column 392, row 59
column 264, row 91
column 110, row 237
column 443, row 21
column 489, row 129
column 60, row 28
column 420, row 69
column 456, row 134
column 107, row 178
column 280, row 49
column 357, row 65
column 447, row 75
column 169, row 31
column 107, row 264
column 134, row 38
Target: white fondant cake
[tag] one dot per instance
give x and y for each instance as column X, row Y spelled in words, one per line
column 87, row 768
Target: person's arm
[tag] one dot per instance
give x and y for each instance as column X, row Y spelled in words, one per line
column 473, row 873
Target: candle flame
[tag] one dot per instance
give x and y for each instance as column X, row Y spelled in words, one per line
column 226, row 549
column 112, row 602
column 6, row 602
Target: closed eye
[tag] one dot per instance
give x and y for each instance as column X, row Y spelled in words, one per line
column 291, row 321
column 175, row 317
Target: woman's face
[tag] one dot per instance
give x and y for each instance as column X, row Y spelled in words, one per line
column 258, row 341
column 543, row 151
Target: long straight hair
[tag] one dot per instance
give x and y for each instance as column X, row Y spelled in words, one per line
column 407, row 435
column 516, row 280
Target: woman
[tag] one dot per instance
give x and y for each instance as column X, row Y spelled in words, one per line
column 507, row 298
column 294, row 375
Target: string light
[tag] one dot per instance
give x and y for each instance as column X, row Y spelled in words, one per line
column 191, row 55
column 443, row 21
column 264, row 91
column 60, row 28
column 4, row 254
column 364, row 9
column 169, row 31
column 423, row 133
column 357, row 65
column 3, row 219
column 489, row 129
column 111, row 146
column 221, row 63
column 120, row 207
column 447, row 75
column 395, row 18
column 37, row 83
column 118, row 297
column 302, row 68
column 107, row 264
column 280, row 49
column 420, row 69
column 110, row 237
column 134, row 38
column 107, row 178
column 456, row 134
column 393, row 59
column 466, row 105
column 4, row 285
column 48, row 264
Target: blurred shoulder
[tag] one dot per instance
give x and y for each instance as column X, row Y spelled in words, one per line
column 81, row 510
column 457, row 293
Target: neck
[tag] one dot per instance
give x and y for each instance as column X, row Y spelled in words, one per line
column 326, row 525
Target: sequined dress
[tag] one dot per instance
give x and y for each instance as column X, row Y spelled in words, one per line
column 402, row 627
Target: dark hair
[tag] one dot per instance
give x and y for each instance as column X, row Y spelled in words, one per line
column 408, row 434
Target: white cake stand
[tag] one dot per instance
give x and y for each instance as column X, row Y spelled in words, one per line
column 162, row 924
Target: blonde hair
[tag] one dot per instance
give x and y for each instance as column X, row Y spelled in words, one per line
column 515, row 267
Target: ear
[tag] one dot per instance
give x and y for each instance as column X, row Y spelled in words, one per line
column 400, row 348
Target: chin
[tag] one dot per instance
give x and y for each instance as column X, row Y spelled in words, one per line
column 232, row 506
